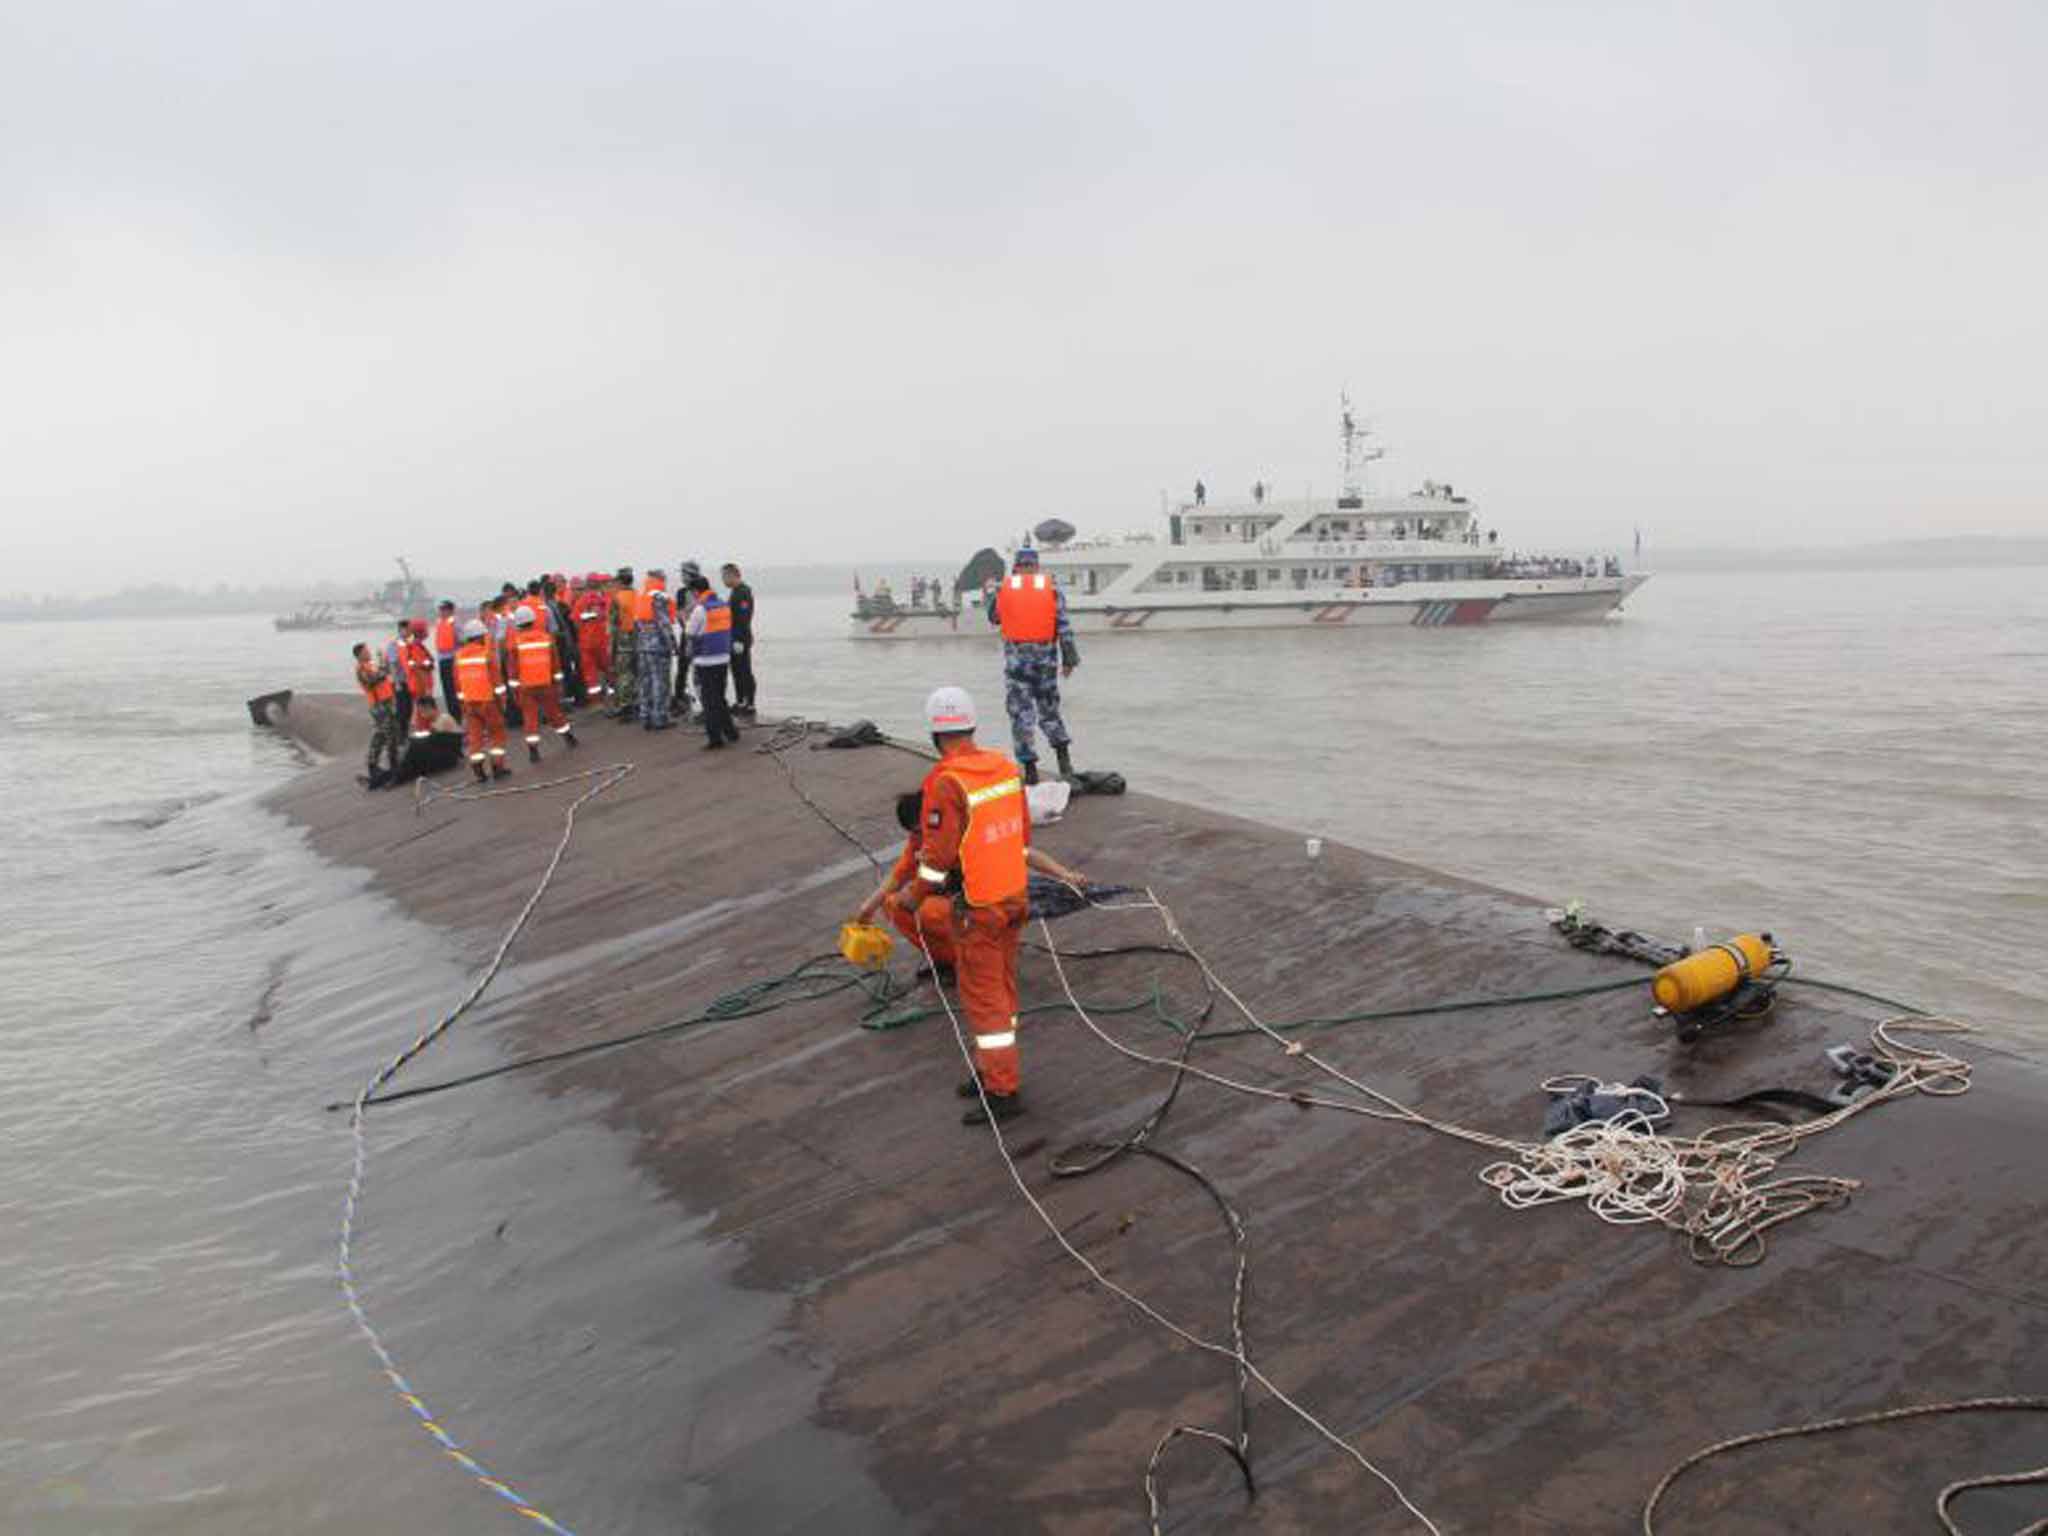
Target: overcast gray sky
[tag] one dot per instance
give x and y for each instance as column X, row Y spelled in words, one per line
column 287, row 287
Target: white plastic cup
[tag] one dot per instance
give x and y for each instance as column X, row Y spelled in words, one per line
column 1315, row 847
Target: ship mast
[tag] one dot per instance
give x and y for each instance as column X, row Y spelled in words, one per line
column 1359, row 451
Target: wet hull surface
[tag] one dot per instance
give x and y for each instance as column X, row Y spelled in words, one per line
column 825, row 1306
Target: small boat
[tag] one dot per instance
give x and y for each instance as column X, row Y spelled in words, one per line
column 402, row 597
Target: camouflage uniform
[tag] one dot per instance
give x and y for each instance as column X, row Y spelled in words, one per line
column 655, row 647
column 384, row 735
column 625, row 662
column 1031, row 694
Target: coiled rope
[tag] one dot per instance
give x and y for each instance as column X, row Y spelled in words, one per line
column 601, row 779
column 1716, row 1188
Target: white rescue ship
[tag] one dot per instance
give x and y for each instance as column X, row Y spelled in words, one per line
column 1352, row 560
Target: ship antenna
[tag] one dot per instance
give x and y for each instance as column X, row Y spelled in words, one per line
column 1359, row 450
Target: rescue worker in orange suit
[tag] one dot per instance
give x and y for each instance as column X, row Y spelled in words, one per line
column 1038, row 650
column 382, row 696
column 447, row 640
column 480, row 684
column 537, row 679
column 591, row 612
column 976, row 838
column 419, row 672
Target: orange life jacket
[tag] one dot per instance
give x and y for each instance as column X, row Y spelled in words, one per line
column 444, row 637
column 376, row 686
column 623, row 601
column 992, row 847
column 643, row 602
column 1028, row 608
column 535, row 649
column 419, row 667
column 476, row 673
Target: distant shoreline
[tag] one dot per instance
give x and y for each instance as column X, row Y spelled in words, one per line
column 1961, row 552
column 1899, row 555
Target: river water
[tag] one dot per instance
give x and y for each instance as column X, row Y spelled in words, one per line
column 1851, row 760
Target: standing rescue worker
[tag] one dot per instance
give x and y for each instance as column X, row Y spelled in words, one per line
column 687, row 573
column 710, row 640
column 654, row 649
column 374, row 678
column 976, row 841
column 393, row 657
column 590, row 614
column 480, row 684
column 537, row 677
column 1038, row 650
column 575, row 688
column 740, row 598
column 446, row 642
column 419, row 676
column 625, row 663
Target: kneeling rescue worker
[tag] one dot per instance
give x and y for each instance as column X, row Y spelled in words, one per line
column 976, row 838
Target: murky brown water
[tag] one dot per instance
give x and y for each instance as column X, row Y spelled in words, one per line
column 1850, row 760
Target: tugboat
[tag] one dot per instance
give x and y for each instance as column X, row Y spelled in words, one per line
column 402, row 597
column 1354, row 560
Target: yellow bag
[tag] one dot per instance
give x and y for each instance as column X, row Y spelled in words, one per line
column 865, row 945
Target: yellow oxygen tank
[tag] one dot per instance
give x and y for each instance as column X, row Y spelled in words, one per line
column 865, row 945
column 1713, row 973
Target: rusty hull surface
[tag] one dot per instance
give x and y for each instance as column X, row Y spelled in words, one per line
column 1515, row 1372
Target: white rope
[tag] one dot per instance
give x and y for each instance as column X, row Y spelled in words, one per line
column 1131, row 1298
column 352, row 1203
column 1943, row 1501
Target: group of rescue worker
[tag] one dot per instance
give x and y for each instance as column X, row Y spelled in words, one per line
column 960, row 892
column 526, row 656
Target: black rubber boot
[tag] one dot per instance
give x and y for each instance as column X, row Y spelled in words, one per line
column 483, row 774
column 500, row 771
column 971, row 1089
column 1031, row 772
column 1066, row 762
column 1001, row 1107
column 570, row 737
column 532, row 753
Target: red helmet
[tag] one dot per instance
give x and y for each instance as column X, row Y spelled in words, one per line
column 419, row 627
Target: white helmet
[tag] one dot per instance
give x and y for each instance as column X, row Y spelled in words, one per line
column 473, row 630
column 949, row 710
column 523, row 616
